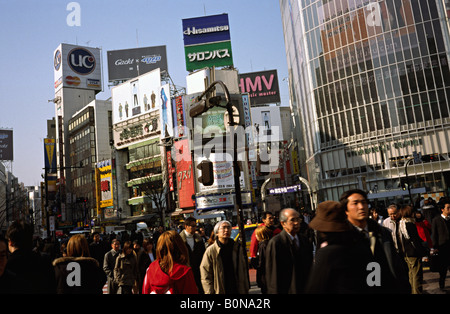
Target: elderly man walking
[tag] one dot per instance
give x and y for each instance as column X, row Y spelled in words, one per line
column 289, row 257
column 223, row 268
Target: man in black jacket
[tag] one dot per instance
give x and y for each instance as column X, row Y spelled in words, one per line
column 35, row 270
column 288, row 257
column 378, row 243
column 196, row 249
column 440, row 236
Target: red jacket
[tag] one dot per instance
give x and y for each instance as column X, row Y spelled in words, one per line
column 254, row 242
column 180, row 281
column 424, row 231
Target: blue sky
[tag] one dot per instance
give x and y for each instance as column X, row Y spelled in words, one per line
column 32, row 30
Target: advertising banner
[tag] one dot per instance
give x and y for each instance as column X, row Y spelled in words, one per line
column 285, row 189
column 185, row 177
column 106, row 191
column 6, row 145
column 126, row 64
column 207, row 42
column 208, row 55
column 180, row 117
column 166, row 111
column 50, row 166
column 206, row 29
column 77, row 67
column 137, row 96
column 223, row 174
column 262, row 87
column 210, row 202
column 50, row 155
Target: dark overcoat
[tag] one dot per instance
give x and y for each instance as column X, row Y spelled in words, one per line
column 287, row 266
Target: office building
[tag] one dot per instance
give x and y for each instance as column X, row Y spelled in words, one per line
column 369, row 90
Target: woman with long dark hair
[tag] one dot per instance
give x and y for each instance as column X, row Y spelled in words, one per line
column 170, row 273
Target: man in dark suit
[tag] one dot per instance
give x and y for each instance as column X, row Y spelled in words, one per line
column 288, row 257
column 440, row 236
column 196, row 249
column 378, row 243
column 33, row 269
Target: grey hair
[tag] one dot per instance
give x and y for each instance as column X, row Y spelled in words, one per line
column 393, row 206
column 283, row 216
column 217, row 226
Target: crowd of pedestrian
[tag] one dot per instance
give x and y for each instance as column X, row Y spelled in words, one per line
column 345, row 247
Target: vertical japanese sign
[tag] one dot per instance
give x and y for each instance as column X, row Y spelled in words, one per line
column 170, row 169
column 185, row 177
column 180, row 117
column 50, row 166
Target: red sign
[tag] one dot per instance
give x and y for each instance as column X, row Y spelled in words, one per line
column 185, row 174
column 170, row 170
column 180, row 115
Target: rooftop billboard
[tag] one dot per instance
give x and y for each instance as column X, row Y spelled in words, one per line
column 262, row 87
column 129, row 63
column 77, row 67
column 6, row 145
column 207, row 42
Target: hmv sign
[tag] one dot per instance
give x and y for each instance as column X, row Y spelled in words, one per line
column 77, row 67
column 262, row 87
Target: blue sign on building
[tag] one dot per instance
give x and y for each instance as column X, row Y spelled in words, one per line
column 206, row 29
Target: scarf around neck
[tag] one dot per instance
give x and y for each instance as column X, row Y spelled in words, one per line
column 403, row 229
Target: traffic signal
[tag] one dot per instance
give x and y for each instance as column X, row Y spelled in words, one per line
column 429, row 158
column 204, row 105
column 207, row 175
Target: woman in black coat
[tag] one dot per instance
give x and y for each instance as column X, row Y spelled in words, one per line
column 412, row 248
column 78, row 273
column 144, row 259
column 340, row 263
column 263, row 235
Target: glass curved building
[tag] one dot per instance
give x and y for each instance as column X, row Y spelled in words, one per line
column 369, row 90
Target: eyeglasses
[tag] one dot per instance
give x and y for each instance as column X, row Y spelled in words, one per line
column 225, row 228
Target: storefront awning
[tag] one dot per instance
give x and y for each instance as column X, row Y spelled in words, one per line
column 181, row 212
column 133, row 219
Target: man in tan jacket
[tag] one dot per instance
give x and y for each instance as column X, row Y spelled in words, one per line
column 223, row 270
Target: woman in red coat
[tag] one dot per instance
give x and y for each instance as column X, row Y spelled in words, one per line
column 170, row 272
column 423, row 228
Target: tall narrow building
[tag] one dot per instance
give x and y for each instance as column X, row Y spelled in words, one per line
column 370, row 90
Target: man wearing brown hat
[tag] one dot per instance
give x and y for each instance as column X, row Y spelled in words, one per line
column 340, row 265
column 288, row 257
column 378, row 243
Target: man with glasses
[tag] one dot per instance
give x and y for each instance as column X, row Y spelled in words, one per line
column 223, row 268
column 288, row 257
column 196, row 248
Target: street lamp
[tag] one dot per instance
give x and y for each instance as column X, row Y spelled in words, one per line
column 199, row 107
column 407, row 180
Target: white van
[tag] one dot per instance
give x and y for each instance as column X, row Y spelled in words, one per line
column 115, row 229
column 143, row 228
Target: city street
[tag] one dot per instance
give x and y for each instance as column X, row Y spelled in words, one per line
column 431, row 283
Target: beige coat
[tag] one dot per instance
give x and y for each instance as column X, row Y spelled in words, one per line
column 211, row 270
